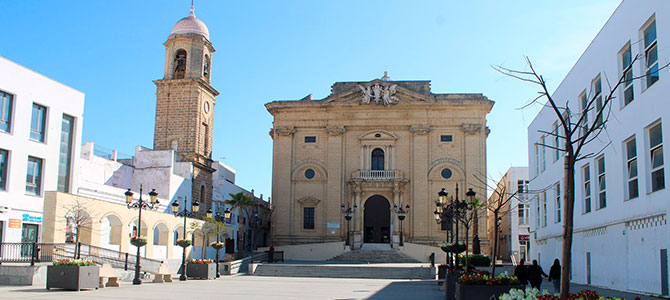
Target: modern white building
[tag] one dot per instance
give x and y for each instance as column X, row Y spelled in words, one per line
column 40, row 133
column 621, row 235
column 514, row 230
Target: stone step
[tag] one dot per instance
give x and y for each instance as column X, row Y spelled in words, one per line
column 374, row 256
column 344, row 271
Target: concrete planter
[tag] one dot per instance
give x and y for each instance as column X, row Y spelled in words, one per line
column 201, row 271
column 73, row 277
column 450, row 285
column 482, row 292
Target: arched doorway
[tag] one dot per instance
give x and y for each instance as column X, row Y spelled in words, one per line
column 377, row 220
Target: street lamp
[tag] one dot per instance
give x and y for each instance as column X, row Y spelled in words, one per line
column 400, row 212
column 195, row 207
column 140, row 205
column 219, row 218
column 348, row 214
column 448, row 213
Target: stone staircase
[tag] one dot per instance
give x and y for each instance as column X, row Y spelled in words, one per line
column 389, row 271
column 376, row 261
column 374, row 253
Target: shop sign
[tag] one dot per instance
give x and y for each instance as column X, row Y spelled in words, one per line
column 14, row 223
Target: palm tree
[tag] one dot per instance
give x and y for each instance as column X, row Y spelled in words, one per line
column 243, row 202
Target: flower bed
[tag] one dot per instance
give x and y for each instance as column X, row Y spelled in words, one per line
column 533, row 294
column 476, row 286
column 73, row 262
column 200, row 261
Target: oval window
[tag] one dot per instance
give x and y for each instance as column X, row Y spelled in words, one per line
column 446, row 173
column 309, row 173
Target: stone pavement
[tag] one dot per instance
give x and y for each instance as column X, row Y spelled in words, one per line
column 246, row 287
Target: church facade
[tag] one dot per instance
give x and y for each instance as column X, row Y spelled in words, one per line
column 374, row 146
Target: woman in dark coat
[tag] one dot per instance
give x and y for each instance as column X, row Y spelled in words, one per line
column 535, row 274
column 555, row 275
column 521, row 272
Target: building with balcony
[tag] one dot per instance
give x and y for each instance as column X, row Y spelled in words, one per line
column 373, row 145
column 621, row 204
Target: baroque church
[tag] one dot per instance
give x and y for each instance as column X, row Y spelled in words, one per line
column 185, row 100
column 375, row 146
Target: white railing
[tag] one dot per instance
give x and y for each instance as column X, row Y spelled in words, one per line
column 377, row 174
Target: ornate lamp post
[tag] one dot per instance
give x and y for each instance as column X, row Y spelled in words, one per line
column 219, row 218
column 400, row 212
column 348, row 214
column 195, row 207
column 449, row 212
column 140, row 205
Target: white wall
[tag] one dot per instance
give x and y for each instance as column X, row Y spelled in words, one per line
column 29, row 87
column 625, row 237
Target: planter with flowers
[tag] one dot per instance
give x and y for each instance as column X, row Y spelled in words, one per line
column 533, row 294
column 183, row 243
column 73, row 274
column 138, row 241
column 481, row 287
column 450, row 282
column 201, row 269
column 453, row 248
column 217, row 245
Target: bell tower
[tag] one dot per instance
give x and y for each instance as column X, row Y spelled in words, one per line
column 185, row 102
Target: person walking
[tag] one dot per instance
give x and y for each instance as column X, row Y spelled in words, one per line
column 555, row 275
column 521, row 272
column 535, row 274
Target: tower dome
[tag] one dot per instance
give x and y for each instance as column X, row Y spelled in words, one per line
column 191, row 24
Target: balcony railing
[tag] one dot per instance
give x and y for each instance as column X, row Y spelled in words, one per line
column 377, row 174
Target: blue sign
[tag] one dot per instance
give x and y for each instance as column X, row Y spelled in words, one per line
column 32, row 219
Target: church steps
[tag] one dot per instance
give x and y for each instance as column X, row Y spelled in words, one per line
column 345, row 271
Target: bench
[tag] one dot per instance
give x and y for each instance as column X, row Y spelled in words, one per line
column 106, row 272
column 163, row 275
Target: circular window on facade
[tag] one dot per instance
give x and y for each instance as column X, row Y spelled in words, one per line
column 446, row 173
column 309, row 173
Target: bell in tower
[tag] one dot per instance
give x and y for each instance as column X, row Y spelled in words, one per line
column 185, row 102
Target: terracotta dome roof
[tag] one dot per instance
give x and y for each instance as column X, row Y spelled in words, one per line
column 191, row 24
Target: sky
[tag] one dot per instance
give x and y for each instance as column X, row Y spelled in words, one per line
column 285, row 50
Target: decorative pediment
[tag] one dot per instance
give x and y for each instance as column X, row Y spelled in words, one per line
column 377, row 92
column 309, row 201
column 378, row 134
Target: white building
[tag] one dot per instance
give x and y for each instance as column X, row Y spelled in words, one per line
column 40, row 133
column 224, row 185
column 621, row 236
column 514, row 216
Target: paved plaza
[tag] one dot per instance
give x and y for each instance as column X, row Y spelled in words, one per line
column 246, row 287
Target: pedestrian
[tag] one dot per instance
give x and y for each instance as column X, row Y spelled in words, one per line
column 535, row 274
column 271, row 254
column 555, row 275
column 521, row 272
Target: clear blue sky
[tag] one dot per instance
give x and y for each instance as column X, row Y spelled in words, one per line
column 112, row 50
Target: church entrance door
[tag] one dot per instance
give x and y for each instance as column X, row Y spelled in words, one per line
column 377, row 220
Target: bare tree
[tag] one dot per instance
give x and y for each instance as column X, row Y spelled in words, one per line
column 76, row 218
column 467, row 219
column 575, row 131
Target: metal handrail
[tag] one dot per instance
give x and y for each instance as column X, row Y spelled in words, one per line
column 48, row 252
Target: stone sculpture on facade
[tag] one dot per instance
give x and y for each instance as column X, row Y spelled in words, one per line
column 381, row 94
